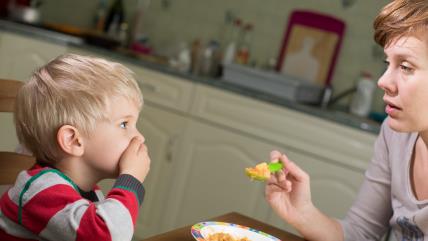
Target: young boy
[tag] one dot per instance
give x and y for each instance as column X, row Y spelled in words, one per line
column 78, row 116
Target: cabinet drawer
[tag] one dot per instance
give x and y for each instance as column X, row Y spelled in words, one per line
column 21, row 55
column 157, row 88
column 163, row 89
column 324, row 140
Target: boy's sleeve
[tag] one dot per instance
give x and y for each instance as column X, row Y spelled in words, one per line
column 52, row 208
column 117, row 213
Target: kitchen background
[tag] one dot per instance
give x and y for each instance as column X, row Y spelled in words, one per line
column 167, row 24
column 203, row 131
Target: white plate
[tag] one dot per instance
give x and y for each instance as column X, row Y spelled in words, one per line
column 201, row 231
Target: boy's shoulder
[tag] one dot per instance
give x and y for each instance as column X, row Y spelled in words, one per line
column 36, row 180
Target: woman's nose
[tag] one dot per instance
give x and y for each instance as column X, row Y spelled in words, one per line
column 387, row 83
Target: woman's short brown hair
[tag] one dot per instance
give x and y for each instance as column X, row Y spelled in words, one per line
column 400, row 18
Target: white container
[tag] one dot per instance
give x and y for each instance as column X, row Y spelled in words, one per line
column 362, row 100
column 274, row 83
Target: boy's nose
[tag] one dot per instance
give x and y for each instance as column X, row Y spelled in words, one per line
column 141, row 136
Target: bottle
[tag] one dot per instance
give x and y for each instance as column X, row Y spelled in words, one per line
column 115, row 18
column 196, row 56
column 243, row 51
column 184, row 58
column 123, row 35
column 100, row 16
column 362, row 99
column 230, row 52
column 210, row 59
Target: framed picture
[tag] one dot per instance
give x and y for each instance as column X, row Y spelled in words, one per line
column 310, row 46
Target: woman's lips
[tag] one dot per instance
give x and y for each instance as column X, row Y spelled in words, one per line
column 391, row 110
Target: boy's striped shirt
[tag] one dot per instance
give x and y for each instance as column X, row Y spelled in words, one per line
column 44, row 204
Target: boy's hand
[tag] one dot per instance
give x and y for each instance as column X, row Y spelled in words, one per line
column 135, row 160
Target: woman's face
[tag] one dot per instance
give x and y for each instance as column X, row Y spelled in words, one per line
column 405, row 83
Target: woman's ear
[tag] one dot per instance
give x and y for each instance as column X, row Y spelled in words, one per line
column 70, row 140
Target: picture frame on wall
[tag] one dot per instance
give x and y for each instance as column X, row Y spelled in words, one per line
column 310, row 46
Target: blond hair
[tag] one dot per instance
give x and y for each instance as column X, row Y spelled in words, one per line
column 401, row 18
column 71, row 89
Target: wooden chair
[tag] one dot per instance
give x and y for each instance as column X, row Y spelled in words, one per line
column 11, row 163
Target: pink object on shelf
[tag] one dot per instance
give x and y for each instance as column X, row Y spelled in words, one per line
column 141, row 48
column 325, row 34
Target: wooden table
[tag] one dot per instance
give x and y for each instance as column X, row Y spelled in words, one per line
column 183, row 234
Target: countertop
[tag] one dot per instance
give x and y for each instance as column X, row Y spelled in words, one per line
column 336, row 116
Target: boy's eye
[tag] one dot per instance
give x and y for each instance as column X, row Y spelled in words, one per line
column 123, row 125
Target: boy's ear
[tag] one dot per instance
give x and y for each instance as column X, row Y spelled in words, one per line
column 70, row 140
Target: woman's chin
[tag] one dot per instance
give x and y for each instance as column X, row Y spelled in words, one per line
column 399, row 126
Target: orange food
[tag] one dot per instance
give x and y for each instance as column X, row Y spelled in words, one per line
column 260, row 172
column 224, row 237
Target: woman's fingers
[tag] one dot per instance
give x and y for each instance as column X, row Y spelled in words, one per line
column 275, row 155
column 293, row 170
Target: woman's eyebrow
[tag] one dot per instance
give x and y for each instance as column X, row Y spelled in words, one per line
column 401, row 56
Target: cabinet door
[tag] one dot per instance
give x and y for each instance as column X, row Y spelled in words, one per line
column 209, row 176
column 21, row 55
column 158, row 88
column 8, row 140
column 333, row 187
column 162, row 131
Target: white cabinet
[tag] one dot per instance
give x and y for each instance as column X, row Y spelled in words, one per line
column 163, row 131
column 163, row 122
column 21, row 55
column 164, row 90
column 201, row 138
column 333, row 187
column 158, row 88
column 295, row 130
column 334, row 156
column 199, row 156
column 8, row 138
column 209, row 178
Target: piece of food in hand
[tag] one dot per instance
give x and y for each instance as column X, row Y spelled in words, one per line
column 262, row 171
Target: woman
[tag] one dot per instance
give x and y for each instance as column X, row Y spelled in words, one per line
column 394, row 193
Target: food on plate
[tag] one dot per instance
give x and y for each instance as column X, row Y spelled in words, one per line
column 224, row 237
column 262, row 171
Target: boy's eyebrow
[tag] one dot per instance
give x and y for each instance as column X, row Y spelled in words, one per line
column 125, row 117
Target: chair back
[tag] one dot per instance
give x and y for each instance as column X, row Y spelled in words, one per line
column 11, row 163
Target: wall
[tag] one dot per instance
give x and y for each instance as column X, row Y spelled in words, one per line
column 169, row 22
column 185, row 20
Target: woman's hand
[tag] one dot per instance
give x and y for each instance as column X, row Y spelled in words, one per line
column 288, row 191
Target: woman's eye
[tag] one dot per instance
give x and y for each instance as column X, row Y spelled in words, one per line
column 405, row 68
column 123, row 125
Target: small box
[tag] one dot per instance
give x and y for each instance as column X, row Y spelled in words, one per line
column 274, row 83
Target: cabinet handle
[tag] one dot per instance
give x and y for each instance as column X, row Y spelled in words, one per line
column 149, row 87
column 170, row 148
